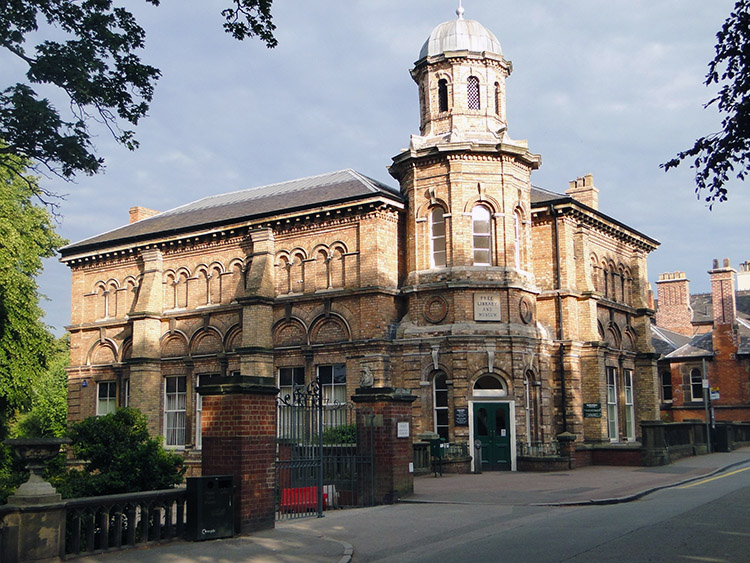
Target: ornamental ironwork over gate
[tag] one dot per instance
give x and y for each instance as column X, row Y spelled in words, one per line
column 324, row 454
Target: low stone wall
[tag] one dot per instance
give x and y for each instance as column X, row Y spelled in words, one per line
column 542, row 463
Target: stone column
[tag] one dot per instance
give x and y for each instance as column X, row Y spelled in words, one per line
column 389, row 413
column 239, row 439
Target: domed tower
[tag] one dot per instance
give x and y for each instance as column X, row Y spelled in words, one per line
column 469, row 284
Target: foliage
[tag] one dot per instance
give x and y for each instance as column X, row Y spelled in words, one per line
column 719, row 155
column 96, row 64
column 344, row 434
column 118, row 456
column 27, row 235
column 48, row 416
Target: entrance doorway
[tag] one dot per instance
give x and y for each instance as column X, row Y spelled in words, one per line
column 492, row 427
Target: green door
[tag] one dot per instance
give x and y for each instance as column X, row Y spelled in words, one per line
column 492, row 428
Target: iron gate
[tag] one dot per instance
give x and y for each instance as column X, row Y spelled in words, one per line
column 324, row 454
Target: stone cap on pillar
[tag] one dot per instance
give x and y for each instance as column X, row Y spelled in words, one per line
column 239, row 385
column 376, row 394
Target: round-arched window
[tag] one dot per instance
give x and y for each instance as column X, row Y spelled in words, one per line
column 490, row 386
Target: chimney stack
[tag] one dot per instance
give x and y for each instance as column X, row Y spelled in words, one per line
column 137, row 213
column 674, row 311
column 743, row 277
column 722, row 292
column 583, row 190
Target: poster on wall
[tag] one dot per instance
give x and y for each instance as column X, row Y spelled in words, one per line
column 461, row 416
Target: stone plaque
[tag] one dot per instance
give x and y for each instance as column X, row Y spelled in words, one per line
column 486, row 307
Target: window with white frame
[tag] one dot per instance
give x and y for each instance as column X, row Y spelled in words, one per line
column 612, row 420
column 517, row 239
column 126, row 392
column 175, row 406
column 288, row 379
column 696, row 385
column 332, row 379
column 440, row 398
column 481, row 235
column 666, row 387
column 437, row 237
column 106, row 397
column 629, row 404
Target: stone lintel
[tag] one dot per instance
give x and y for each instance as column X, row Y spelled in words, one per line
column 239, row 385
column 382, row 394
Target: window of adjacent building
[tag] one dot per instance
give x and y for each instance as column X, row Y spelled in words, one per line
column 666, row 387
column 175, row 404
column 612, row 420
column 437, row 237
column 289, row 378
column 480, row 221
column 443, row 94
column 629, row 404
column 106, row 397
column 497, row 98
column 472, row 86
column 696, row 385
column 440, row 397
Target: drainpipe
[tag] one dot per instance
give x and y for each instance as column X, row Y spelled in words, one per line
column 560, row 331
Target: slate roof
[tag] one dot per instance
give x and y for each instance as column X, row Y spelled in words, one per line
column 325, row 189
column 702, row 305
column 665, row 341
column 699, row 346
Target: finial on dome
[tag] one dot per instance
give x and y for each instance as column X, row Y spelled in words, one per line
column 460, row 11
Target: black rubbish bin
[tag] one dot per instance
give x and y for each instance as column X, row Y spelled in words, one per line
column 210, row 507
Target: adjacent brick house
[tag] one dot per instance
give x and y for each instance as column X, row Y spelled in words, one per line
column 704, row 337
column 513, row 313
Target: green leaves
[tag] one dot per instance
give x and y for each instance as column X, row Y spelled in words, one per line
column 27, row 235
column 718, row 156
column 98, row 66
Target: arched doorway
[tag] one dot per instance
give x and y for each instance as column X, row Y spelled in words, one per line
column 493, row 424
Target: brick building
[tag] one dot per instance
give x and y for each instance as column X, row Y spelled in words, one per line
column 704, row 337
column 505, row 308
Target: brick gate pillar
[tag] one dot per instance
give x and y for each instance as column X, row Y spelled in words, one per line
column 239, row 439
column 390, row 416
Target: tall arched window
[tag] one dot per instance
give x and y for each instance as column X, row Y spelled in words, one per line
column 443, row 94
column 437, row 237
column 440, row 396
column 517, row 238
column 472, row 86
column 481, row 235
column 497, row 98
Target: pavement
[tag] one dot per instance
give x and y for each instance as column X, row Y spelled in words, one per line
column 307, row 540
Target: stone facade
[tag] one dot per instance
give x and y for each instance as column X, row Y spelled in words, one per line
column 468, row 287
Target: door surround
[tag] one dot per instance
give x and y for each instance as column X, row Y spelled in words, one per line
column 511, row 423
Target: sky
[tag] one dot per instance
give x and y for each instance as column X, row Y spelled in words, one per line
column 607, row 87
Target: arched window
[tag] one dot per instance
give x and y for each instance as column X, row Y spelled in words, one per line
column 437, row 237
column 490, row 386
column 481, row 235
column 440, row 397
column 497, row 98
column 472, row 86
column 517, row 238
column 443, row 94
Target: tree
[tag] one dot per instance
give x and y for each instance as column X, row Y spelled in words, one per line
column 48, row 416
column 119, row 456
column 719, row 155
column 27, row 235
column 97, row 66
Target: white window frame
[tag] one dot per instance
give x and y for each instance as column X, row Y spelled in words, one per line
column 629, row 404
column 296, row 377
column 441, row 409
column 517, row 238
column 613, row 423
column 108, row 403
column 175, row 411
column 696, row 384
column 438, row 249
column 480, row 236
column 334, row 392
column 666, row 382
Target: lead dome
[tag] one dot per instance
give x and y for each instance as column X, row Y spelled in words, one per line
column 460, row 35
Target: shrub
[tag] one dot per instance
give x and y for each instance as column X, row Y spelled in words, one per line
column 344, row 434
